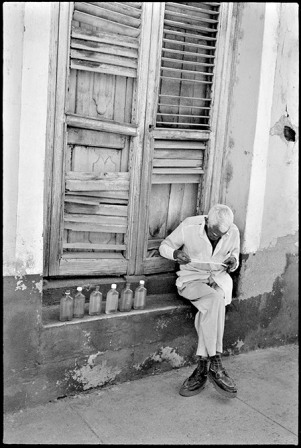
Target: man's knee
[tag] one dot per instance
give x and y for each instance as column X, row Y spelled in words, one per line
column 218, row 295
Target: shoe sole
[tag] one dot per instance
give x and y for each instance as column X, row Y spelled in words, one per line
column 189, row 393
column 222, row 392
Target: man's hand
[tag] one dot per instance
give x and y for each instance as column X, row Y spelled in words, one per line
column 181, row 257
column 231, row 264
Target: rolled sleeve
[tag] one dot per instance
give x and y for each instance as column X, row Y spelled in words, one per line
column 172, row 242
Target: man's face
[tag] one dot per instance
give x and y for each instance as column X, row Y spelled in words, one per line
column 214, row 232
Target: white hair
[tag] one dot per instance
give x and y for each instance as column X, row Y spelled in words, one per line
column 221, row 216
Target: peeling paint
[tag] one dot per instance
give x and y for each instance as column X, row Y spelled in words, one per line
column 20, row 285
column 39, row 286
column 278, row 128
column 92, row 375
column 164, row 354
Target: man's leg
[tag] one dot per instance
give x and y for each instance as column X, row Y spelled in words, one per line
column 209, row 324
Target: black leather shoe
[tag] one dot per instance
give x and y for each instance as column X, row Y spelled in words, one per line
column 220, row 378
column 197, row 380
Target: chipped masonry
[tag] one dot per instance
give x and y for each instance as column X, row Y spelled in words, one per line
column 92, row 375
column 164, row 354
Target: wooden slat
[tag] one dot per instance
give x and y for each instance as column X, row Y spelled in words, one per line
column 97, row 185
column 136, row 5
column 107, row 14
column 91, row 223
column 87, row 255
column 118, row 194
column 104, row 48
column 189, row 35
column 100, row 36
column 181, row 70
column 187, row 18
column 186, row 62
column 86, row 176
column 180, row 134
column 164, row 171
column 106, row 25
column 85, row 122
column 193, row 154
column 93, row 219
column 177, row 163
column 93, row 56
column 90, row 246
column 186, row 145
column 183, row 105
column 158, row 264
column 96, row 266
column 78, row 64
column 188, row 27
column 185, row 97
column 175, row 179
column 86, row 200
column 188, row 53
column 180, row 80
column 173, row 123
column 103, row 209
column 181, row 115
column 84, row 137
column 191, row 9
column 78, row 181
column 119, row 7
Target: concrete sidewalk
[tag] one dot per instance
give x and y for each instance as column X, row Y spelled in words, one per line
column 151, row 411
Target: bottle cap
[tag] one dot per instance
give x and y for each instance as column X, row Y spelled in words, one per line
column 79, row 288
column 142, row 282
column 114, row 286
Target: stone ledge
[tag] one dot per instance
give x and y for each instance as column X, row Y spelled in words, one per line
column 155, row 303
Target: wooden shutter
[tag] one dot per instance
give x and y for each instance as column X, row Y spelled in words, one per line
column 179, row 123
column 187, row 65
column 99, row 128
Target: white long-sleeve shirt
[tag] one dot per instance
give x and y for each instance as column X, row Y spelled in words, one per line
column 192, row 236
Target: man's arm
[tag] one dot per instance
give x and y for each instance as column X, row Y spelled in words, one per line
column 169, row 247
column 233, row 260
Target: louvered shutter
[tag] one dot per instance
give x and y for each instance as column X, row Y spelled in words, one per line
column 180, row 138
column 187, row 65
column 103, row 62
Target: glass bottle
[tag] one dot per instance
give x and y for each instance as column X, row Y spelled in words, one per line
column 79, row 303
column 66, row 307
column 95, row 302
column 126, row 300
column 140, row 296
column 112, row 300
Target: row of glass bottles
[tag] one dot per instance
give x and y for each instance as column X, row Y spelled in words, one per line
column 70, row 307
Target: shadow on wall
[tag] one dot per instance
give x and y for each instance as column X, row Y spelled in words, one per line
column 269, row 319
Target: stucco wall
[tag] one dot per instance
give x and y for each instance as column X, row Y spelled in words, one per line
column 280, row 216
column 13, row 28
column 27, row 41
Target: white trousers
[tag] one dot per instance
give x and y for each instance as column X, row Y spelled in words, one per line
column 210, row 318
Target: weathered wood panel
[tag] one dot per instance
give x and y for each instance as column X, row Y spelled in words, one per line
column 100, row 36
column 107, row 126
column 91, row 246
column 107, row 13
column 106, row 25
column 92, row 209
column 158, row 264
column 95, row 266
column 89, row 45
column 84, row 137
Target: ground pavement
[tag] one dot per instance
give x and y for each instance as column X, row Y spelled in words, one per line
column 150, row 411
